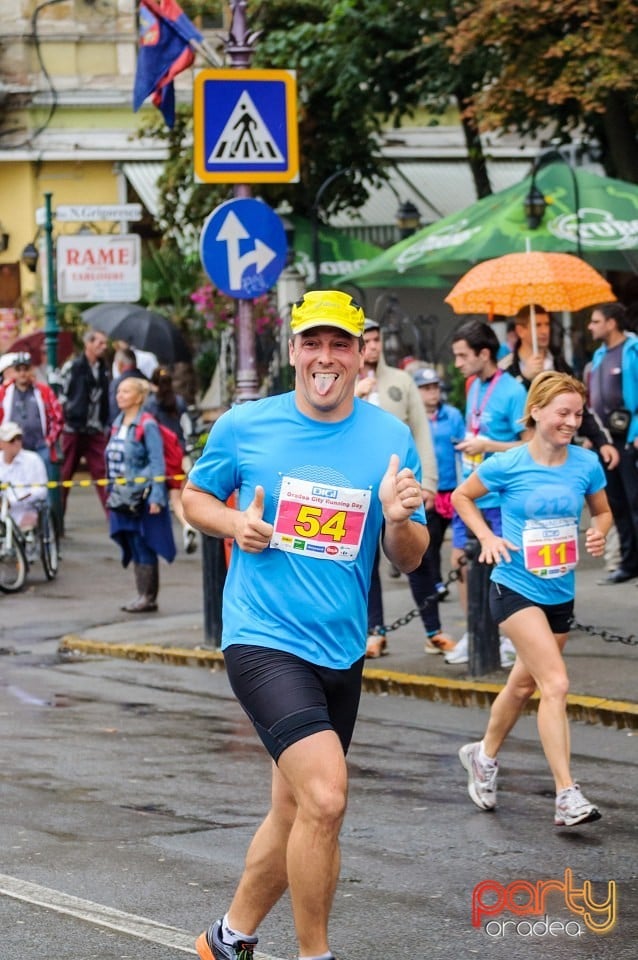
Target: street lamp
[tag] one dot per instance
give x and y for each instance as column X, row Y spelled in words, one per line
column 535, row 202
column 408, row 219
column 30, row 256
column 535, row 205
column 316, row 253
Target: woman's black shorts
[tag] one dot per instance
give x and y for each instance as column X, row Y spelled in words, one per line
column 504, row 602
column 288, row 699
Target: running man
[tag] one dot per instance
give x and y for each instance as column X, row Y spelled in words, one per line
column 320, row 476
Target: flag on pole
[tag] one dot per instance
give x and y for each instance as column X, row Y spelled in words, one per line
column 165, row 50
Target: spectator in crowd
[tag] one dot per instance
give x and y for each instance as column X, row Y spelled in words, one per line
column 494, row 412
column 394, row 391
column 124, row 365
column 135, row 450
column 35, row 408
column 448, row 428
column 26, row 473
column 524, row 364
column 85, row 402
column 6, row 366
column 171, row 410
column 145, row 361
column 613, row 395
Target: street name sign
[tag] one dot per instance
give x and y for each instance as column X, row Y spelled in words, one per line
column 245, row 126
column 99, row 268
column 243, row 248
column 92, row 213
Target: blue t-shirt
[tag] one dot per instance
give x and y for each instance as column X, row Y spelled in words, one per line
column 447, row 428
column 301, row 600
column 530, row 496
column 494, row 409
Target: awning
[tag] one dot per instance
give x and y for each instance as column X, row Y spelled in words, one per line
column 436, row 187
column 143, row 177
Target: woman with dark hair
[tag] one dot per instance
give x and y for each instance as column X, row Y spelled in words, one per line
column 171, row 410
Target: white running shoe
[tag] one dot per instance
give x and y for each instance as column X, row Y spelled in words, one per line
column 460, row 653
column 190, row 539
column 572, row 808
column 507, row 653
column 481, row 777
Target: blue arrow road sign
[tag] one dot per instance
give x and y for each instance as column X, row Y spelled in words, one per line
column 243, row 248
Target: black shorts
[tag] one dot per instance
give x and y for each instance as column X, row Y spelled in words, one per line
column 288, row 699
column 504, row 602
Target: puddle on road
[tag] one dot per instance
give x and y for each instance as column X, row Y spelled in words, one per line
column 33, row 700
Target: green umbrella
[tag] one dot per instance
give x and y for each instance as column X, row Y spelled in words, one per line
column 338, row 252
column 604, row 233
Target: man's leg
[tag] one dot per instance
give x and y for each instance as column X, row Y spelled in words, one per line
column 616, row 491
column 629, row 477
column 70, row 460
column 265, row 876
column 94, row 450
column 297, row 845
column 315, row 769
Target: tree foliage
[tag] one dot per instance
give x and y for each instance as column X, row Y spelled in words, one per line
column 361, row 65
column 560, row 65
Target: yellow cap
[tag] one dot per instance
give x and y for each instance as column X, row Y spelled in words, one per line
column 327, row 308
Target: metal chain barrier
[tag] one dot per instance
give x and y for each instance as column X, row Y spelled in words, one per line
column 606, row 635
column 452, row 577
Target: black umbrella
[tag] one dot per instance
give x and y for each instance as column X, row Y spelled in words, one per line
column 141, row 328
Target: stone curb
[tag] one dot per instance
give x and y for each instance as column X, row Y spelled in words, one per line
column 459, row 693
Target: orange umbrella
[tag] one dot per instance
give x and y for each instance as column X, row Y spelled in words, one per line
column 556, row 281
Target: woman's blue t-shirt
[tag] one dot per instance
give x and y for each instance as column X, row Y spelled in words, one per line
column 530, row 496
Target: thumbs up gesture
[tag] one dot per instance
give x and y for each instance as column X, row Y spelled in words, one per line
column 253, row 533
column 399, row 493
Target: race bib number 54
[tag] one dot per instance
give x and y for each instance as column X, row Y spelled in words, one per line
column 319, row 520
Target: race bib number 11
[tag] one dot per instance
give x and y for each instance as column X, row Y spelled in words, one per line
column 550, row 546
column 319, row 520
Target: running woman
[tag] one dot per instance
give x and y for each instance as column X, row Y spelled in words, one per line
column 542, row 486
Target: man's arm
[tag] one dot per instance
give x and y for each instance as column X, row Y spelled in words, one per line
column 404, row 540
column 216, row 519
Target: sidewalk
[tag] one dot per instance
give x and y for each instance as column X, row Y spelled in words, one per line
column 603, row 675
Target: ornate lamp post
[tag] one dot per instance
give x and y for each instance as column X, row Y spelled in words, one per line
column 316, row 207
column 239, row 47
column 535, row 203
column 408, row 219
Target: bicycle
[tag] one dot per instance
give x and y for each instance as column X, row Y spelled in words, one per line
column 19, row 548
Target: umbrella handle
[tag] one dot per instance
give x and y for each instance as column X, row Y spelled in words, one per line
column 532, row 325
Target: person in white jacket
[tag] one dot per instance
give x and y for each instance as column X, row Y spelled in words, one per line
column 394, row 391
column 26, row 473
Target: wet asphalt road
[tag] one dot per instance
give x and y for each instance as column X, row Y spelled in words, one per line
column 136, row 787
column 130, row 791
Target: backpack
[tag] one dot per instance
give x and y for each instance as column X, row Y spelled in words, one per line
column 173, row 453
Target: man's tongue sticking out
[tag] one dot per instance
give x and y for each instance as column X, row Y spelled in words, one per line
column 323, row 382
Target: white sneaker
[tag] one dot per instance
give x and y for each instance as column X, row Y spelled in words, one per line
column 507, row 652
column 481, row 777
column 460, row 654
column 190, row 539
column 572, row 808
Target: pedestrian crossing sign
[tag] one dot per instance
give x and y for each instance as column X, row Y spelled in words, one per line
column 245, row 126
